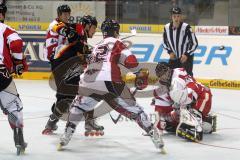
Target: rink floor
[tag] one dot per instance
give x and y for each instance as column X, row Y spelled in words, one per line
column 121, row 141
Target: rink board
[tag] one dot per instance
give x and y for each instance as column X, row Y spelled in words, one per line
column 216, row 60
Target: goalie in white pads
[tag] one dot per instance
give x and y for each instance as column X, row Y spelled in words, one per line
column 102, row 81
column 12, row 60
column 182, row 103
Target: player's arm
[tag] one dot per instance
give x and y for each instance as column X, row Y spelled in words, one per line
column 15, row 44
column 66, row 30
column 180, row 93
column 129, row 60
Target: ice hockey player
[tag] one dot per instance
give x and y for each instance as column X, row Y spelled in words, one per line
column 66, row 48
column 183, row 104
column 102, row 80
column 12, row 60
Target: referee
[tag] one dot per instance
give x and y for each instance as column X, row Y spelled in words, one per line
column 179, row 41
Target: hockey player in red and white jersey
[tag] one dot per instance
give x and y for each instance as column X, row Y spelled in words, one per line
column 179, row 95
column 56, row 32
column 11, row 61
column 102, row 80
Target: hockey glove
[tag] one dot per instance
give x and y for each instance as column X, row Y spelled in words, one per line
column 72, row 35
column 20, row 66
column 141, row 80
column 64, row 31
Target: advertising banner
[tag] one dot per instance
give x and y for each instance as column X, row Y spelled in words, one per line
column 216, row 58
column 29, row 16
column 142, row 28
column 211, row 30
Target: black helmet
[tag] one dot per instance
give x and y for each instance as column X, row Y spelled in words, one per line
column 63, row 8
column 90, row 20
column 3, row 8
column 176, row 10
column 110, row 26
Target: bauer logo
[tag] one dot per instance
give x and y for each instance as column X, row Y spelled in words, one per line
column 203, row 54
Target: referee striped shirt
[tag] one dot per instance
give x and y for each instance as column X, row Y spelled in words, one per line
column 179, row 40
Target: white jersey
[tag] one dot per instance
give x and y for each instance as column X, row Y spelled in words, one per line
column 104, row 61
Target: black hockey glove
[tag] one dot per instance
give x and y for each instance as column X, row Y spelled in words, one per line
column 72, row 35
column 64, row 31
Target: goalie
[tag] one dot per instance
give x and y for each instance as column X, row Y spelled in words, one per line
column 182, row 104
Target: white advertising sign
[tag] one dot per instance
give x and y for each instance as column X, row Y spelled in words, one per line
column 211, row 30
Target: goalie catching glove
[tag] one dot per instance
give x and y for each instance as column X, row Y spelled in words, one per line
column 141, row 80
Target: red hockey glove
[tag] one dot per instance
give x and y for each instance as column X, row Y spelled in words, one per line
column 141, row 80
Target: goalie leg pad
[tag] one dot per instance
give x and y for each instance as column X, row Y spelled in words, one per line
column 189, row 132
column 190, row 126
column 210, row 123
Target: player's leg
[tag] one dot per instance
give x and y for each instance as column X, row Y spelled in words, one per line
column 59, row 108
column 124, row 102
column 12, row 106
column 78, row 108
column 92, row 128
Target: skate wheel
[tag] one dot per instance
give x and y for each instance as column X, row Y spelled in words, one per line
column 101, row 133
column 59, row 147
column 47, row 132
column 92, row 133
column 86, row 134
column 97, row 133
column 163, row 151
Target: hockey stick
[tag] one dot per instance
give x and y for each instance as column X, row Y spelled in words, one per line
column 119, row 116
column 133, row 33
